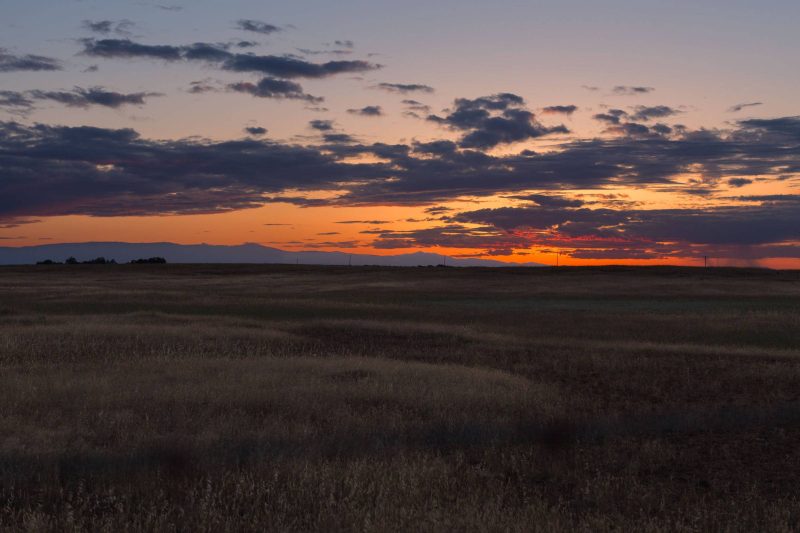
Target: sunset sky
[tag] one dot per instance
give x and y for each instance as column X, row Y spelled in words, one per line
column 621, row 131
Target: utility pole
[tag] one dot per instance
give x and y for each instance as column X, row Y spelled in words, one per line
column 558, row 255
column 350, row 260
column 444, row 260
column 705, row 261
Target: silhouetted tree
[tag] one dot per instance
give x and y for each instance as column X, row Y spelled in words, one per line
column 151, row 260
column 71, row 261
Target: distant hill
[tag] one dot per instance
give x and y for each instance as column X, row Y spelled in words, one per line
column 124, row 252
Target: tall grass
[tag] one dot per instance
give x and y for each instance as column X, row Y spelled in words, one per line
column 183, row 398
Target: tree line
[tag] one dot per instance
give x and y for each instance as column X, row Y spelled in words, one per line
column 103, row 261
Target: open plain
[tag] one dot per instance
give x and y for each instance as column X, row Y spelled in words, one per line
column 228, row 398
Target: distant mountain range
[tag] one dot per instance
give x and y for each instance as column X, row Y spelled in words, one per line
column 124, row 252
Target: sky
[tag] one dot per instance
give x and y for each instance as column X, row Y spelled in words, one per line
column 624, row 132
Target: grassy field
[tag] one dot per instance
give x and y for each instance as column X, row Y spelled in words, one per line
column 230, row 398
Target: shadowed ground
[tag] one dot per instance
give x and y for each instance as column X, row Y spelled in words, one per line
column 214, row 398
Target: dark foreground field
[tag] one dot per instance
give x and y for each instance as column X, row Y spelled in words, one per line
column 229, row 398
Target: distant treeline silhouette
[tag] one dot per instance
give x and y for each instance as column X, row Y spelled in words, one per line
column 102, row 261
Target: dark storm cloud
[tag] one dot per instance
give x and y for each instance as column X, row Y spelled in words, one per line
column 560, row 109
column 404, row 88
column 738, row 107
column 645, row 113
column 80, row 97
column 279, row 66
column 256, row 130
column 257, row 26
column 632, row 90
column 321, row 125
column 274, row 88
column 14, row 63
column 492, row 120
column 367, row 111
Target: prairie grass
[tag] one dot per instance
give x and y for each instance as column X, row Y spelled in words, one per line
column 277, row 398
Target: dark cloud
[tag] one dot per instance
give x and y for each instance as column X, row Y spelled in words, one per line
column 80, row 97
column 204, row 86
column 612, row 116
column 344, row 43
column 290, row 67
column 738, row 107
column 256, row 130
column 15, row 102
column 492, row 120
column 102, row 172
column 321, row 125
column 450, row 236
column 414, row 105
column 405, row 88
column 560, row 109
column 367, row 111
column 338, row 138
column 14, row 63
column 121, row 27
column 739, row 182
column 631, row 90
column 546, row 200
column 51, row 170
column 279, row 66
column 635, row 129
column 603, row 228
column 438, row 210
column 125, row 48
column 274, row 88
column 257, row 26
column 646, row 113
column 438, row 148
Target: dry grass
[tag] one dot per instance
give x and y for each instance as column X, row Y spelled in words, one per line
column 204, row 398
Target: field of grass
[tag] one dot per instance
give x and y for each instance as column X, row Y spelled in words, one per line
column 276, row 398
